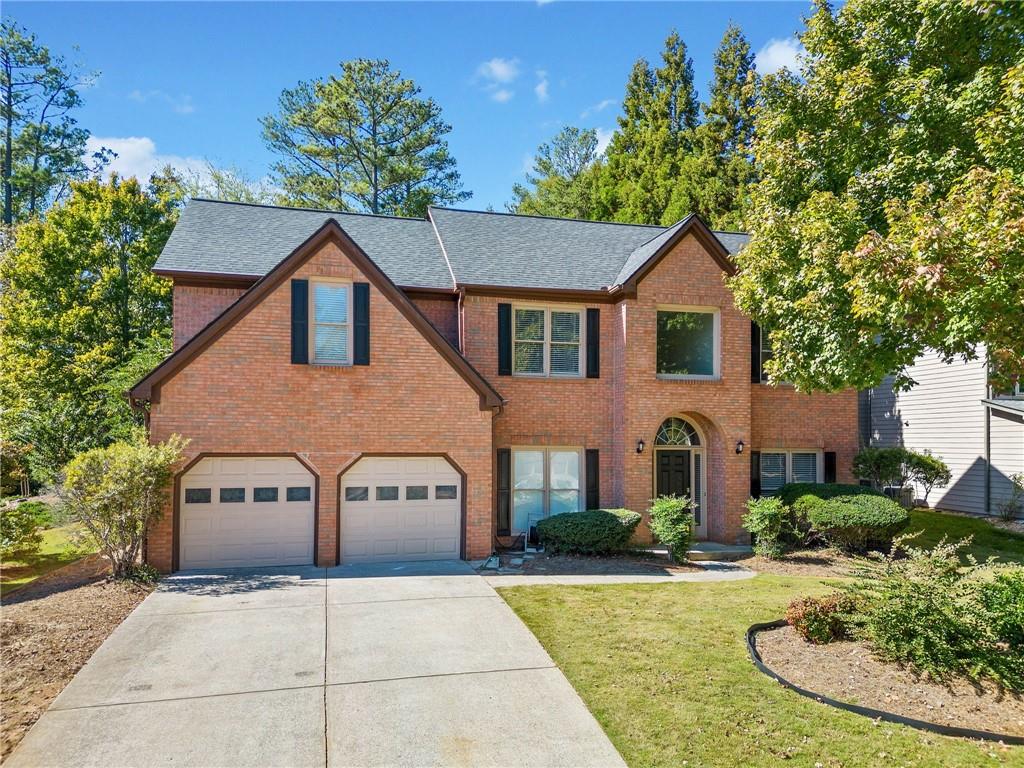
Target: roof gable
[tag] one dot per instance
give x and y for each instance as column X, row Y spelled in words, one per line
column 644, row 258
column 149, row 387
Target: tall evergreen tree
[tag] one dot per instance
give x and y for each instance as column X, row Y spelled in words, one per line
column 561, row 183
column 715, row 182
column 365, row 141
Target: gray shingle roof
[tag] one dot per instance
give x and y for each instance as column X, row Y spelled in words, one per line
column 234, row 238
column 482, row 248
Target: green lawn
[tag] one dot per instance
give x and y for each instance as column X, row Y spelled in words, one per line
column 58, row 549
column 664, row 669
column 988, row 540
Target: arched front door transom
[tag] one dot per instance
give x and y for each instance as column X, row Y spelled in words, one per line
column 680, row 466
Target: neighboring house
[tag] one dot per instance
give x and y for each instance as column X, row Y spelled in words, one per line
column 363, row 387
column 953, row 412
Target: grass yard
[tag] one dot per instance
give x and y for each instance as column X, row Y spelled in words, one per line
column 58, row 549
column 664, row 669
column 988, row 539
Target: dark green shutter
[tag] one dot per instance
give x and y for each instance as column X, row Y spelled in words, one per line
column 361, row 323
column 755, row 474
column 593, row 473
column 593, row 343
column 830, row 466
column 300, row 322
column 504, row 339
column 504, row 491
column 755, row 353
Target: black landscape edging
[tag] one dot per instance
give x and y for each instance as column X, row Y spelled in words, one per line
column 875, row 714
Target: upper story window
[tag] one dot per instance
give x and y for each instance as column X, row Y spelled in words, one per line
column 760, row 353
column 331, row 329
column 546, row 341
column 688, row 346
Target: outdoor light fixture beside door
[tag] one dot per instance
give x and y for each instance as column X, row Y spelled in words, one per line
column 739, row 447
column 640, row 445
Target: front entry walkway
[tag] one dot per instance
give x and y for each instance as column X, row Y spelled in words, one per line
column 416, row 664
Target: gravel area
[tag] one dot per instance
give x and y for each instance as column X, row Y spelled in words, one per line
column 847, row 671
column 49, row 629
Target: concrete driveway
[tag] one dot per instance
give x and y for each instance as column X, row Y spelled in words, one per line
column 416, row 664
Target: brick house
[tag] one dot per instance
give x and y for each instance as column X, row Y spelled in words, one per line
column 363, row 387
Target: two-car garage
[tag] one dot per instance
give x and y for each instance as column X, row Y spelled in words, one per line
column 252, row 511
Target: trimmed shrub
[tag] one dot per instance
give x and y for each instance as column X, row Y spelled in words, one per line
column 792, row 492
column 922, row 608
column 928, row 471
column 856, row 523
column 21, row 528
column 594, row 532
column 672, row 523
column 883, row 466
column 768, row 520
column 821, row 620
column 1003, row 598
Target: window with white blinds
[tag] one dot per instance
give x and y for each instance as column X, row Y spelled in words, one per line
column 773, row 472
column 781, row 467
column 332, row 323
column 546, row 342
column 804, row 467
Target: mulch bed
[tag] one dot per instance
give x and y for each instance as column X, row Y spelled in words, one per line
column 847, row 671
column 807, row 562
column 571, row 565
column 49, row 629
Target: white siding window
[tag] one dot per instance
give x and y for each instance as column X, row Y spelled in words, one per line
column 545, row 481
column 546, row 341
column 331, row 329
column 781, row 467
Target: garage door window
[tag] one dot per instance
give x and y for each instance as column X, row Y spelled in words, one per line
column 446, row 492
column 197, row 496
column 232, row 495
column 299, row 493
column 357, row 493
column 415, row 492
column 264, row 494
column 387, row 493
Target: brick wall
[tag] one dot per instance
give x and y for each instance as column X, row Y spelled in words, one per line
column 195, row 307
column 443, row 314
column 242, row 394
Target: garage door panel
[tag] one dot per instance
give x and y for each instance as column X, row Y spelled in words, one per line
column 250, row 533
column 402, row 529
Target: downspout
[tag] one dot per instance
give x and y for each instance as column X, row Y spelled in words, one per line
column 461, row 309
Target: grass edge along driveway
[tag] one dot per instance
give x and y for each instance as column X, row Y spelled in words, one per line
column 59, row 548
column 664, row 669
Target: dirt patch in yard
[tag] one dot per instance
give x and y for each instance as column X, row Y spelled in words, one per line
column 542, row 564
column 805, row 562
column 847, row 671
column 49, row 629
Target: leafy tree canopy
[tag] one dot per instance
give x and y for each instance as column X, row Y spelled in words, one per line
column 889, row 215
column 363, row 141
column 80, row 303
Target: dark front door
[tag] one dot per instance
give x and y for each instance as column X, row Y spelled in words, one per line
column 673, row 473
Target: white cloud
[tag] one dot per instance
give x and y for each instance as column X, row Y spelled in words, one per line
column 599, row 107
column 181, row 104
column 499, row 70
column 604, row 138
column 541, row 88
column 502, row 95
column 778, row 53
column 137, row 156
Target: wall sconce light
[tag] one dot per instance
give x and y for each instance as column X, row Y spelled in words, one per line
column 739, row 447
column 640, row 445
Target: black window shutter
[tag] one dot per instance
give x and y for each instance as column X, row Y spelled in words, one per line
column 504, row 491
column 755, row 353
column 593, row 472
column 504, row 339
column 361, row 323
column 593, row 343
column 830, row 466
column 755, row 474
column 300, row 322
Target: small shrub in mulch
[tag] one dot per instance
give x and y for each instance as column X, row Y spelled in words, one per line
column 822, row 620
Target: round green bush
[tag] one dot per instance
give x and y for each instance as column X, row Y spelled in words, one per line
column 594, row 532
column 854, row 523
column 671, row 520
column 822, row 620
column 1003, row 599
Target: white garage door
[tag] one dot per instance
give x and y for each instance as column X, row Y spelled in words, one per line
column 401, row 508
column 246, row 511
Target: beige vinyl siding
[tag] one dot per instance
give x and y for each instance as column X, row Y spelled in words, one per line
column 1007, row 441
column 942, row 413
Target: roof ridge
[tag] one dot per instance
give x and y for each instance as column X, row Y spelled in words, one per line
column 729, row 232
column 651, row 240
column 309, row 210
column 551, row 218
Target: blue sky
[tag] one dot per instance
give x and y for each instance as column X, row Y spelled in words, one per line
column 184, row 82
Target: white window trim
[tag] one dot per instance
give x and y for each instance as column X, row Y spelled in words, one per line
column 547, row 450
column 716, row 313
column 313, row 281
column 819, row 469
column 548, row 309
